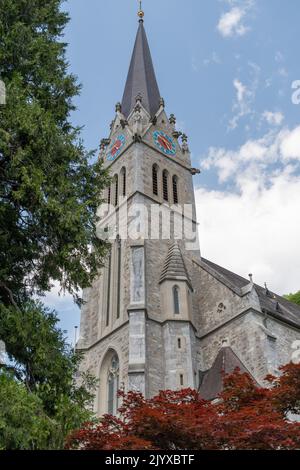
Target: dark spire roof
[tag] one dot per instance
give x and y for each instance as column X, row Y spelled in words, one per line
column 141, row 77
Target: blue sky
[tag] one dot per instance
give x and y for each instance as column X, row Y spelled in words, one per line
column 225, row 69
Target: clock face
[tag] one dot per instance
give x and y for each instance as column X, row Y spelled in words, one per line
column 164, row 143
column 115, row 148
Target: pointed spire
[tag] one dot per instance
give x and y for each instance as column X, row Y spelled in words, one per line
column 141, row 78
column 174, row 267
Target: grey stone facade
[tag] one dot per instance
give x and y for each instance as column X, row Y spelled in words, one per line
column 167, row 330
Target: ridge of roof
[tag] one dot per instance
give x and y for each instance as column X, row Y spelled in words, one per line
column 275, row 305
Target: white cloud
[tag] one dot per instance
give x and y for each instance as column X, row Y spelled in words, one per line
column 290, row 145
column 213, row 59
column 277, row 147
column 245, row 95
column 254, row 226
column 273, row 118
column 241, row 106
column 240, row 89
column 232, row 23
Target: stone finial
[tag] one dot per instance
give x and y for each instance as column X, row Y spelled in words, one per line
column 176, row 134
column 184, row 138
column 124, row 123
column 137, row 120
column 104, row 143
column 162, row 103
column 251, row 278
column 185, row 146
column 267, row 290
column 172, row 119
column 137, row 139
column 225, row 343
column 118, row 108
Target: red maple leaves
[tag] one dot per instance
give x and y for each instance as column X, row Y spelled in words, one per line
column 245, row 417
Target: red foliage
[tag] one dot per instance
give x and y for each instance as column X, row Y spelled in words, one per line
column 245, row 417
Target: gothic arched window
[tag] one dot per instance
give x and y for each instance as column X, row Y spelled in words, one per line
column 108, row 285
column 176, row 300
column 155, row 180
column 175, row 189
column 123, row 175
column 165, row 185
column 116, row 181
column 119, row 254
column 113, row 386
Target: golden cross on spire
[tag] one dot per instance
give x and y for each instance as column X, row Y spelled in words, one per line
column 141, row 14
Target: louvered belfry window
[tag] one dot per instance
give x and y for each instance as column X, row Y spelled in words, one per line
column 116, row 190
column 124, row 189
column 155, row 179
column 165, row 185
column 175, row 189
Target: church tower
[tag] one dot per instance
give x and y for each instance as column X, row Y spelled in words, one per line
column 137, row 323
column 159, row 316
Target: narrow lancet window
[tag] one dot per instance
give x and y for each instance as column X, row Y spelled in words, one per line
column 175, row 189
column 116, row 190
column 155, row 180
column 176, row 300
column 165, row 186
column 124, row 188
column 108, row 288
column 113, row 386
column 119, row 248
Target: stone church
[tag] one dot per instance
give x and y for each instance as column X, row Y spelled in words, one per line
column 160, row 316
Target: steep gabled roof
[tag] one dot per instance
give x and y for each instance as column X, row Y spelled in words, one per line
column 274, row 304
column 174, row 267
column 141, row 77
column 225, row 363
